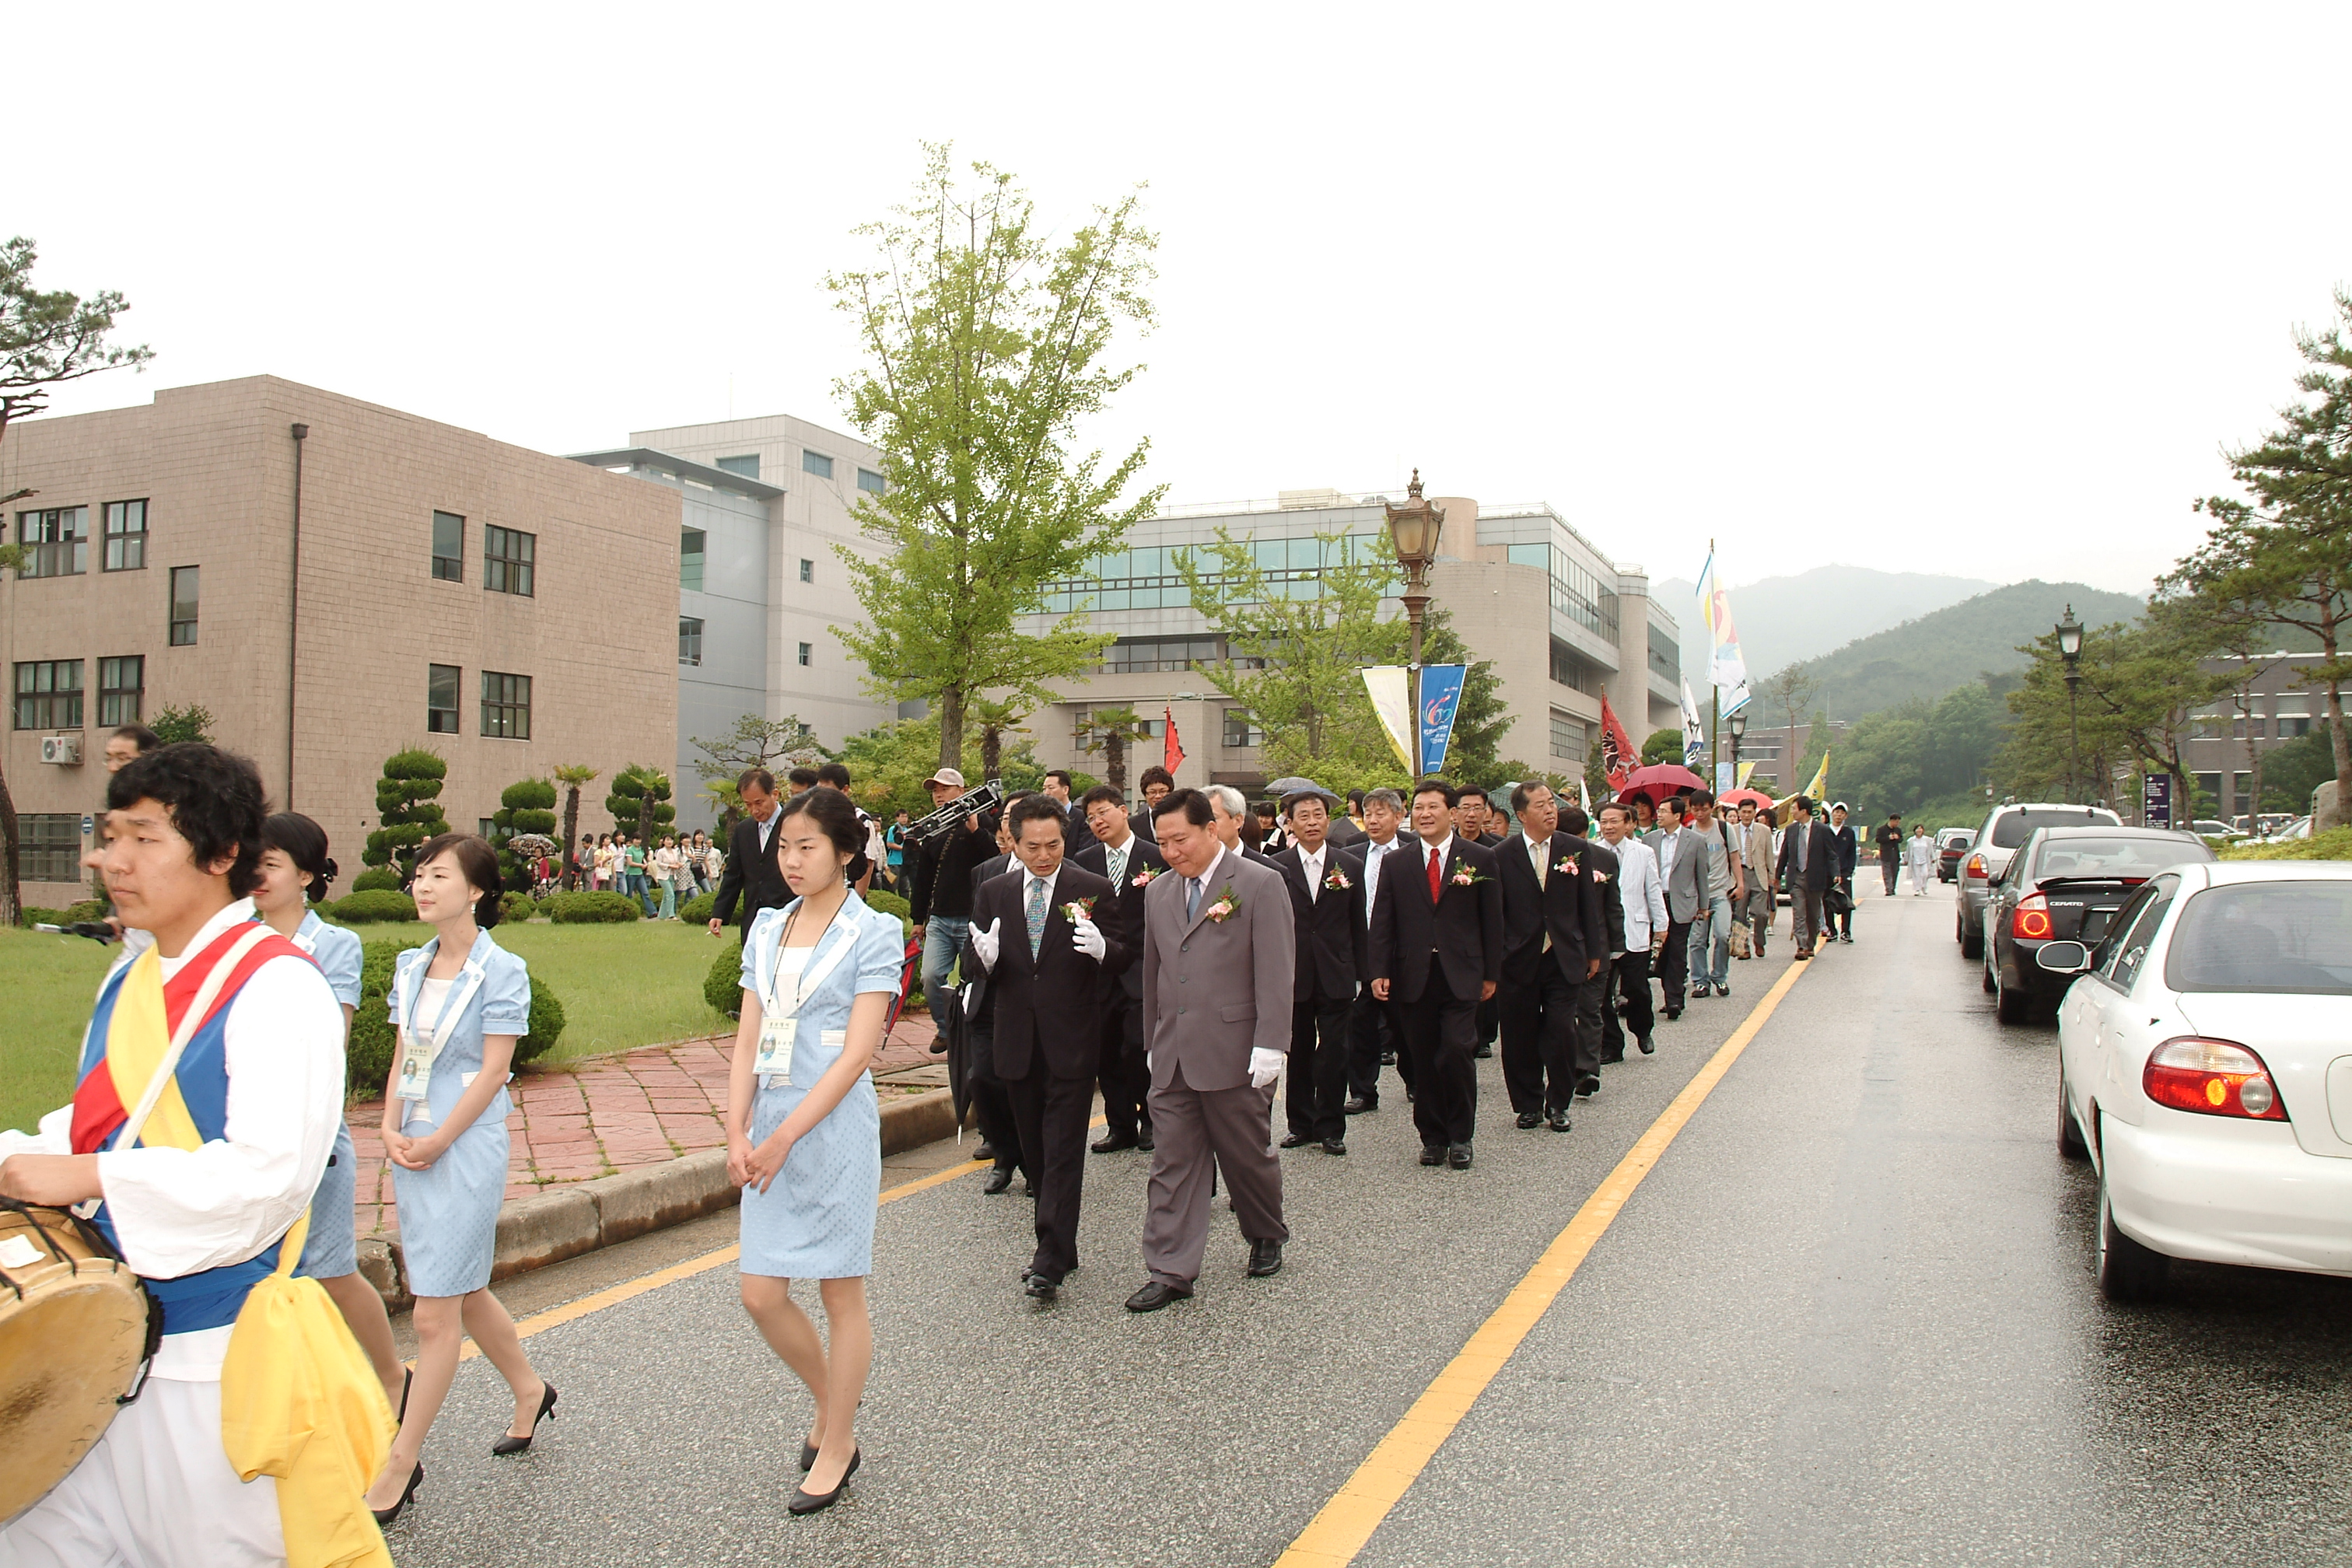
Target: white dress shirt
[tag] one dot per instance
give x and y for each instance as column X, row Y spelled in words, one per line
column 1374, row 853
column 1313, row 866
column 1539, row 856
column 1115, row 862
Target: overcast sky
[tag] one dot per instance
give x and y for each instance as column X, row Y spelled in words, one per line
column 1984, row 291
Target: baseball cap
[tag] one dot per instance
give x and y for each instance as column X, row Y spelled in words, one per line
column 945, row 776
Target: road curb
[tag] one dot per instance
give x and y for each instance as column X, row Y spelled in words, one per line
column 580, row 1217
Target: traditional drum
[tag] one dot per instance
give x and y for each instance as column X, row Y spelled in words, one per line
column 75, row 1325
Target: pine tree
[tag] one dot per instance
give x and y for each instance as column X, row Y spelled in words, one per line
column 407, row 804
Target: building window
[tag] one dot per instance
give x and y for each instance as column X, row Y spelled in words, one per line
column 690, row 543
column 816, row 463
column 58, row 542
column 1666, row 654
column 506, row 706
column 748, row 465
column 2210, row 724
column 808, row 570
column 486, row 825
column 869, row 481
column 49, row 847
column 48, row 694
column 441, row 698
column 2209, row 788
column 1566, row 736
column 184, row 595
column 120, row 683
column 126, row 536
column 1242, row 731
column 506, row 560
column 2295, row 718
column 448, row 547
column 1161, row 655
column 689, row 640
column 805, row 651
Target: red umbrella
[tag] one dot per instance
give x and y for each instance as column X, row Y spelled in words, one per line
column 1658, row 781
column 1740, row 797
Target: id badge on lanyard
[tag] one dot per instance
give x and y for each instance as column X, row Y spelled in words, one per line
column 779, row 1026
column 416, row 1055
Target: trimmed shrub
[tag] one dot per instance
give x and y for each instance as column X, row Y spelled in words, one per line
column 2335, row 844
column 723, row 986
column 87, row 910
column 363, row 908
column 699, row 908
column 517, row 907
column 376, row 879
column 592, row 908
column 528, row 806
column 29, row 917
column 406, row 803
column 546, row 1024
column 639, row 802
column 890, row 903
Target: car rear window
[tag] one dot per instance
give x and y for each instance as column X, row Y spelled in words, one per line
column 2292, row 937
column 2139, row 858
column 2012, row 828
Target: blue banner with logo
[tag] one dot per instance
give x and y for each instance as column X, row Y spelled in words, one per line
column 1441, row 694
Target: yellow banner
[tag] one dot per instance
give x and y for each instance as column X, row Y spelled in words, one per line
column 1385, row 684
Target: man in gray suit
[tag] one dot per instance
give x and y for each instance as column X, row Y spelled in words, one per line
column 1682, row 870
column 1215, row 1047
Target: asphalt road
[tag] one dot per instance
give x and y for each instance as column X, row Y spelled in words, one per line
column 1848, row 1318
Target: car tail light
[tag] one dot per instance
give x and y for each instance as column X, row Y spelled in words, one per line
column 1976, row 867
column 2030, row 919
column 2213, row 1078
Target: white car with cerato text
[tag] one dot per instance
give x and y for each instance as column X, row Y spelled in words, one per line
column 2205, row 1067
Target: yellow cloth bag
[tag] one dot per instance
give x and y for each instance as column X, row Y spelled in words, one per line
column 299, row 1401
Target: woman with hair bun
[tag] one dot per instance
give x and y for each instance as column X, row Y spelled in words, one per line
column 459, row 1004
column 295, row 872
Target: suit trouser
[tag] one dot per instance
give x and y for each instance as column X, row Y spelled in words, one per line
column 1758, row 912
column 1371, row 1029
column 1441, row 1030
column 1315, row 1097
column 1629, row 982
column 1126, row 1081
column 1200, row 1132
column 1539, row 1037
column 1890, row 870
column 1591, row 996
column 1490, row 1018
column 1843, row 920
column 1674, row 964
column 989, row 1101
column 1052, row 1113
column 1805, row 917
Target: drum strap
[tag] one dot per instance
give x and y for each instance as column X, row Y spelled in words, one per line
column 199, row 1009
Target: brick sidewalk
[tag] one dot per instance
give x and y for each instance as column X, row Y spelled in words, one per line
column 604, row 1114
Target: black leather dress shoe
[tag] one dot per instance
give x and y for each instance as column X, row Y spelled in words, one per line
column 1266, row 1257
column 1589, row 1085
column 1156, row 1294
column 1143, row 1141
column 1612, row 1061
column 1295, row 1140
column 1335, row 1145
column 1360, row 1107
column 1649, row 1046
column 1388, row 1058
column 1458, row 1156
column 983, row 1149
column 1485, row 1051
column 998, row 1180
column 1559, row 1120
column 1113, row 1143
column 1530, row 1118
column 1039, row 1286
column 1433, row 1153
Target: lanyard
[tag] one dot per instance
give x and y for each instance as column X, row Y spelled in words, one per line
column 809, row 978
column 417, row 1059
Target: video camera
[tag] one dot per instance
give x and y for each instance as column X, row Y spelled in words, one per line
column 987, row 797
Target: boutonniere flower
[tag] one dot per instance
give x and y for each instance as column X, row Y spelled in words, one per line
column 1144, row 876
column 1228, row 905
column 1465, row 874
column 1077, row 909
column 1600, row 876
column 1337, row 880
column 1571, row 864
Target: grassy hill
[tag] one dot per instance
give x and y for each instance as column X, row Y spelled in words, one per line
column 1928, row 657
column 1804, row 616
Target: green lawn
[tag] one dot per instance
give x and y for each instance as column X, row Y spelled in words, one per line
column 621, row 985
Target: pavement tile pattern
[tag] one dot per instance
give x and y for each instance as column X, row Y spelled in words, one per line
column 601, row 1115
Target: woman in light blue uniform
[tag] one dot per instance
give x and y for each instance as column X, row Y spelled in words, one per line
column 294, row 871
column 803, row 1129
column 459, row 1004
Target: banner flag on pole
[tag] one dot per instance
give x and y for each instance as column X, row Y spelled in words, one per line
column 1618, row 757
column 1385, row 684
column 1694, row 731
column 1819, row 788
column 1171, row 755
column 1746, row 770
column 1441, row 694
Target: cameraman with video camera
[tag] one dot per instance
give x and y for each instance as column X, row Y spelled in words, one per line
column 938, row 892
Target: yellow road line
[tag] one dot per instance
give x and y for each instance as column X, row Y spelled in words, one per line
column 1334, row 1535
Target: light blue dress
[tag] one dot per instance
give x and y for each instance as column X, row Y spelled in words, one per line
column 816, row 1221
column 450, row 1211
column 333, row 1249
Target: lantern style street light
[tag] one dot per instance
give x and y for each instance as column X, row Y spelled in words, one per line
column 1413, row 529
column 2070, row 649
column 1738, row 722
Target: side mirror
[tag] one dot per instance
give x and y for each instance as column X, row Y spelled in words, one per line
column 2063, row 957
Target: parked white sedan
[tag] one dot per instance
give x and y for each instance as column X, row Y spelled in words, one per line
column 2205, row 1067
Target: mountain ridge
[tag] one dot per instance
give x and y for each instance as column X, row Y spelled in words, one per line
column 1786, row 619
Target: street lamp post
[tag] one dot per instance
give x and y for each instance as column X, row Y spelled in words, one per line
column 1413, row 529
column 1738, row 722
column 2070, row 648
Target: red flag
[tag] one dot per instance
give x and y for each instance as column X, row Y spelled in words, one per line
column 1617, row 753
column 1172, row 754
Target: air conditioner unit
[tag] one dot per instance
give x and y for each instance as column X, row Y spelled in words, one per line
column 63, row 749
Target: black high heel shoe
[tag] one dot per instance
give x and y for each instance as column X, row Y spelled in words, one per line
column 808, row 1457
column 407, row 1381
column 384, row 1516
column 806, row 1501
column 521, row 1445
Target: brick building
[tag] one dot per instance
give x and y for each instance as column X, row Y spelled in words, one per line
column 509, row 609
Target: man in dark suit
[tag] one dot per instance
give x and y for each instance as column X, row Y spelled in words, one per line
column 1475, row 818
column 1327, row 899
column 1119, row 856
column 1553, row 938
column 1373, row 1039
column 753, row 879
column 1437, row 947
column 1151, row 786
column 1080, row 837
column 1809, row 864
column 1052, row 967
column 1599, row 863
column 1000, row 1135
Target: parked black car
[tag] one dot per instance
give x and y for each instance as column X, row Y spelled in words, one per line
column 2062, row 885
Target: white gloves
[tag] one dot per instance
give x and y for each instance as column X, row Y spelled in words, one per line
column 1088, row 938
column 1265, row 1067
column 984, row 944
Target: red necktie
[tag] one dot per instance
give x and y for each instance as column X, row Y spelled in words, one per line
column 1435, row 893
